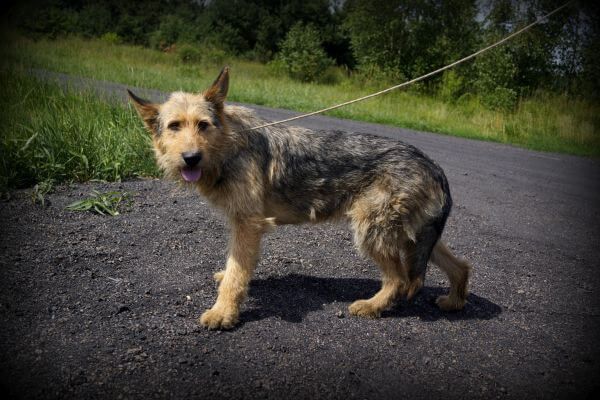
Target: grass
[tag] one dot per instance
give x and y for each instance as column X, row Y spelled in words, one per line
column 40, row 190
column 102, row 203
column 50, row 136
column 544, row 122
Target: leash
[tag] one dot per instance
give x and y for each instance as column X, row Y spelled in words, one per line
column 420, row 78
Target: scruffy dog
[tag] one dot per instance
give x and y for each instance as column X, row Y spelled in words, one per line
column 395, row 198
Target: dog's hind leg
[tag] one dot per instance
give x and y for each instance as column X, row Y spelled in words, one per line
column 244, row 250
column 380, row 240
column 416, row 255
column 392, row 285
column 458, row 272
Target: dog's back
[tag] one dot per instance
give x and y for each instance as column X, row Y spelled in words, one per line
column 319, row 174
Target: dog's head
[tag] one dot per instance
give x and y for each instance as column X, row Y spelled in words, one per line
column 189, row 131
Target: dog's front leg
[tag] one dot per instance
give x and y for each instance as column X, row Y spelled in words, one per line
column 244, row 249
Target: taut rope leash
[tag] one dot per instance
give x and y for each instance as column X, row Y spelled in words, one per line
column 420, row 78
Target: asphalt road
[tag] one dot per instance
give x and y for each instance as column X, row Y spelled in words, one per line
column 100, row 307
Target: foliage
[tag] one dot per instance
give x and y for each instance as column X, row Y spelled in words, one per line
column 379, row 41
column 500, row 99
column 302, row 54
column 49, row 135
column 40, row 190
column 95, row 19
column 191, row 54
column 51, row 20
column 496, row 79
column 587, row 79
column 542, row 121
column 188, row 53
column 171, row 28
column 410, row 38
column 111, row 38
column 452, row 85
column 374, row 44
column 102, row 203
column 259, row 26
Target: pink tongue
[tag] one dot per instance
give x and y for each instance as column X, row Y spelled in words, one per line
column 191, row 174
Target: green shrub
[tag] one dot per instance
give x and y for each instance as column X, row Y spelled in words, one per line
column 277, row 67
column 227, row 38
column 188, row 53
column 452, row 86
column 500, row 99
column 332, row 75
column 496, row 73
column 213, row 55
column 168, row 32
column 111, row 38
column 95, row 19
column 372, row 74
column 302, row 54
column 51, row 21
column 469, row 104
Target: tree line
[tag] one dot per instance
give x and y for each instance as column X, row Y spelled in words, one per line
column 376, row 40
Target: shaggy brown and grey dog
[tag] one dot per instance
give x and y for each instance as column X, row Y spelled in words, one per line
column 395, row 198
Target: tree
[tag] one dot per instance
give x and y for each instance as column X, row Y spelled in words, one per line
column 302, row 54
column 587, row 80
column 260, row 25
column 539, row 58
column 407, row 38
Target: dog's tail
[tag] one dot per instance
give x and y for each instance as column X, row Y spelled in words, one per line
column 458, row 272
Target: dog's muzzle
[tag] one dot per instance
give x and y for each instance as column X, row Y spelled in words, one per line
column 192, row 171
column 191, row 158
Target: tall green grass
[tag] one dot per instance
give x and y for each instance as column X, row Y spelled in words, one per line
column 545, row 121
column 49, row 135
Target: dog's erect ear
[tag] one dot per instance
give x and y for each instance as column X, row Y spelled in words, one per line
column 217, row 93
column 148, row 111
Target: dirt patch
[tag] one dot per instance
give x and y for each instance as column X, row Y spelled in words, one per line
column 102, row 307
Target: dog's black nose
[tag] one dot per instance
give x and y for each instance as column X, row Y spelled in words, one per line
column 191, row 158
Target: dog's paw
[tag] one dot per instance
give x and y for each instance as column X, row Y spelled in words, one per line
column 218, row 319
column 448, row 303
column 218, row 276
column 413, row 288
column 364, row 308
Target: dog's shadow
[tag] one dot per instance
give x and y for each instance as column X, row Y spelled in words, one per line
column 293, row 296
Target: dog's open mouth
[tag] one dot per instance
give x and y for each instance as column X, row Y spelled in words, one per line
column 191, row 174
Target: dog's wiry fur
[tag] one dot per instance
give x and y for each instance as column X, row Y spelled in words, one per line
column 395, row 198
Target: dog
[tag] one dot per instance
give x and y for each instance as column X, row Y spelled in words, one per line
column 395, row 199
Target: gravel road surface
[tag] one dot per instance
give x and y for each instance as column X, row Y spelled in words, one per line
column 101, row 307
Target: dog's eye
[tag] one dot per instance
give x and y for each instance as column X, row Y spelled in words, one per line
column 202, row 125
column 174, row 126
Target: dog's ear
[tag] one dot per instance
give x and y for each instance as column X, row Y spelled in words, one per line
column 147, row 110
column 217, row 93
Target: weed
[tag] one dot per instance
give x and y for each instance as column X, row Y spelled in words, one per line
column 40, row 190
column 102, row 203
